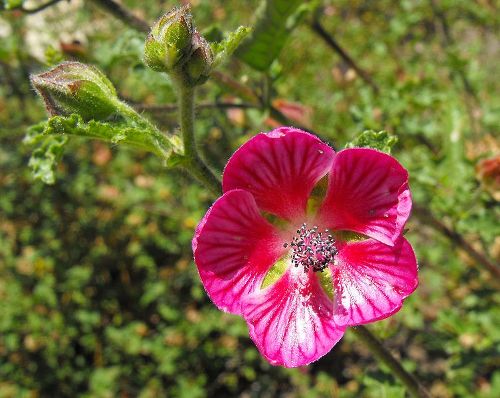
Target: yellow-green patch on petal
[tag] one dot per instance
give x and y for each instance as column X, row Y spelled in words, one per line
column 276, row 271
column 349, row 236
column 326, row 281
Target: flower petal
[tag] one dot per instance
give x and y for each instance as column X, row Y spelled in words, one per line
column 291, row 322
column 367, row 193
column 280, row 169
column 234, row 247
column 371, row 280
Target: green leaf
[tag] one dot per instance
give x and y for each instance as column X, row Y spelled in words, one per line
column 224, row 49
column 271, row 31
column 44, row 159
column 51, row 136
column 114, row 132
column 12, row 4
column 382, row 140
column 382, row 388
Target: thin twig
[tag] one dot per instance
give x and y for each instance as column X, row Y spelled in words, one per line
column 122, row 13
column 203, row 105
column 332, row 43
column 382, row 354
column 448, row 42
column 426, row 216
column 39, row 8
column 242, row 91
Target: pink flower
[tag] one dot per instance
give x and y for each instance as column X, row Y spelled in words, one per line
column 274, row 248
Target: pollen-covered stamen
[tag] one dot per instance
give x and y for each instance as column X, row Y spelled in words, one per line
column 312, row 249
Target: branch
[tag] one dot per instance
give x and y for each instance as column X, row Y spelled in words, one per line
column 335, row 46
column 428, row 218
column 469, row 89
column 205, row 105
column 123, row 14
column 382, row 354
column 448, row 42
column 242, row 91
column 37, row 9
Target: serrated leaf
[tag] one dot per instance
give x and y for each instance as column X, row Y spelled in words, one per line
column 381, row 140
column 114, row 132
column 270, row 33
column 44, row 159
column 53, row 133
column 224, row 49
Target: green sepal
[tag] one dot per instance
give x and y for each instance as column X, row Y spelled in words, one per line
column 168, row 45
column 199, row 65
column 381, row 140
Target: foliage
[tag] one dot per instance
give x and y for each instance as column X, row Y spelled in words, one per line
column 270, row 33
column 372, row 139
column 224, row 49
column 116, row 132
column 100, row 296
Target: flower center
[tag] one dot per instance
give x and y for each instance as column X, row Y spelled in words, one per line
column 312, row 249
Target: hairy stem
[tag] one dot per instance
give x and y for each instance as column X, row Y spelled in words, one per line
column 383, row 355
column 192, row 161
column 205, row 105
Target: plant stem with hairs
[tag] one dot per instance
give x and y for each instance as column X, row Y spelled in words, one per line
column 192, row 161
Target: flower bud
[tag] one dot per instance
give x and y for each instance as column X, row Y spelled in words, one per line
column 169, row 42
column 73, row 87
column 199, row 65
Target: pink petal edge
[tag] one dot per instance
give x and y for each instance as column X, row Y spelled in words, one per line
column 234, row 247
column 280, row 169
column 367, row 193
column 291, row 321
column 371, row 280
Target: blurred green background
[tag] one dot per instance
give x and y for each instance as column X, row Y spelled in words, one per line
column 99, row 296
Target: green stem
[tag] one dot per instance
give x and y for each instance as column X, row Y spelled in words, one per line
column 192, row 161
column 186, row 110
column 156, row 140
column 132, row 114
column 383, row 355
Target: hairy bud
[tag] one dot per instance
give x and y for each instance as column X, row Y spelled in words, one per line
column 169, row 43
column 200, row 62
column 73, row 87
